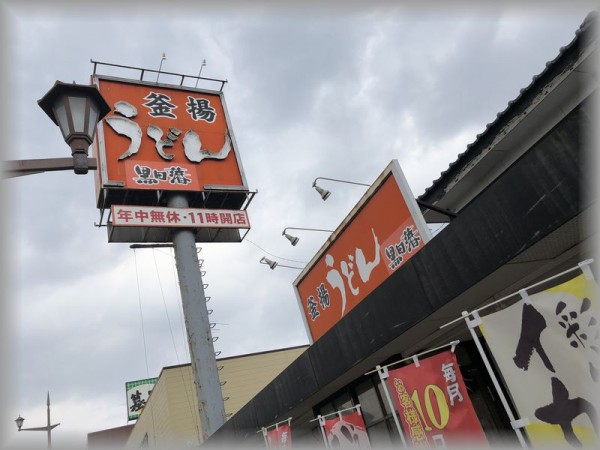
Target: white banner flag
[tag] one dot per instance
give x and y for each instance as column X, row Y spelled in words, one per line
column 546, row 346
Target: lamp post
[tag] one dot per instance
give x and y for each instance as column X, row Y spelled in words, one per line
column 76, row 109
column 294, row 239
column 19, row 421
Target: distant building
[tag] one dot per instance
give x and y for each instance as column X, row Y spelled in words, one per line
column 111, row 438
column 170, row 418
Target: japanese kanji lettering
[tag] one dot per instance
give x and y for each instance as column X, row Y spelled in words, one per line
column 178, row 175
column 144, row 175
column 323, row 295
column 410, row 238
column 157, row 216
column 563, row 410
column 454, row 393
column 581, row 330
column 409, row 241
column 141, row 215
column 124, row 215
column 200, row 109
column 448, row 372
column 529, row 340
column 173, row 217
column 312, row 308
column 138, row 402
column 160, row 105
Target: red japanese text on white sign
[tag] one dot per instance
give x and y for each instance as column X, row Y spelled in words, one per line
column 148, row 216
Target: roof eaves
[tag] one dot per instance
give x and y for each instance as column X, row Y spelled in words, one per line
column 514, row 107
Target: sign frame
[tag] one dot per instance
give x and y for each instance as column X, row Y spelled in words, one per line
column 104, row 185
column 130, row 385
column 392, row 170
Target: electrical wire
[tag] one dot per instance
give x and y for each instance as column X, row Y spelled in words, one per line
column 180, row 309
column 271, row 254
column 185, row 347
column 165, row 304
column 141, row 315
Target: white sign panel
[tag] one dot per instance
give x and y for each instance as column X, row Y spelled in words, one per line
column 138, row 393
column 150, row 216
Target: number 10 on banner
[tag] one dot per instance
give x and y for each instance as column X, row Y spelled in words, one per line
column 442, row 407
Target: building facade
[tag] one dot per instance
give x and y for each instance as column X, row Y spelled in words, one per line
column 520, row 203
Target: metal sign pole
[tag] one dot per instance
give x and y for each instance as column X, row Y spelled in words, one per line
column 202, row 352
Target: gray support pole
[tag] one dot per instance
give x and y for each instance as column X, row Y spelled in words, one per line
column 202, row 352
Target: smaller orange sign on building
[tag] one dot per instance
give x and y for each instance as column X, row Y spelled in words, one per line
column 384, row 230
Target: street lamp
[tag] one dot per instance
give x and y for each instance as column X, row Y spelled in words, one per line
column 76, row 109
column 324, row 193
column 19, row 421
column 293, row 239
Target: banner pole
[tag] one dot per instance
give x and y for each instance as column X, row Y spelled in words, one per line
column 264, row 433
column 383, row 375
column 471, row 324
column 322, row 425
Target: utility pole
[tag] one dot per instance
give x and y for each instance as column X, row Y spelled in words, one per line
column 202, row 351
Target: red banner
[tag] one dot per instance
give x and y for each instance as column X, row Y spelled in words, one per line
column 280, row 437
column 347, row 431
column 433, row 403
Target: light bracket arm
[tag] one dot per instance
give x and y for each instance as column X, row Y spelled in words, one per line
column 339, row 181
column 22, row 167
column 308, row 229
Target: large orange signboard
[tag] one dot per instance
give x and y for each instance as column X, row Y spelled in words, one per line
column 384, row 231
column 164, row 137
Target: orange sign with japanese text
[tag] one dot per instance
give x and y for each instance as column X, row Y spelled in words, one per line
column 383, row 231
column 164, row 137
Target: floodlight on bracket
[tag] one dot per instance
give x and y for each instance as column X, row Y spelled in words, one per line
column 324, row 193
column 272, row 264
column 294, row 239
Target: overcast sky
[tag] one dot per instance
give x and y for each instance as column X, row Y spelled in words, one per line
column 334, row 92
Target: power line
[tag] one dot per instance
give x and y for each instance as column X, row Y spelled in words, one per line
column 271, row 254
